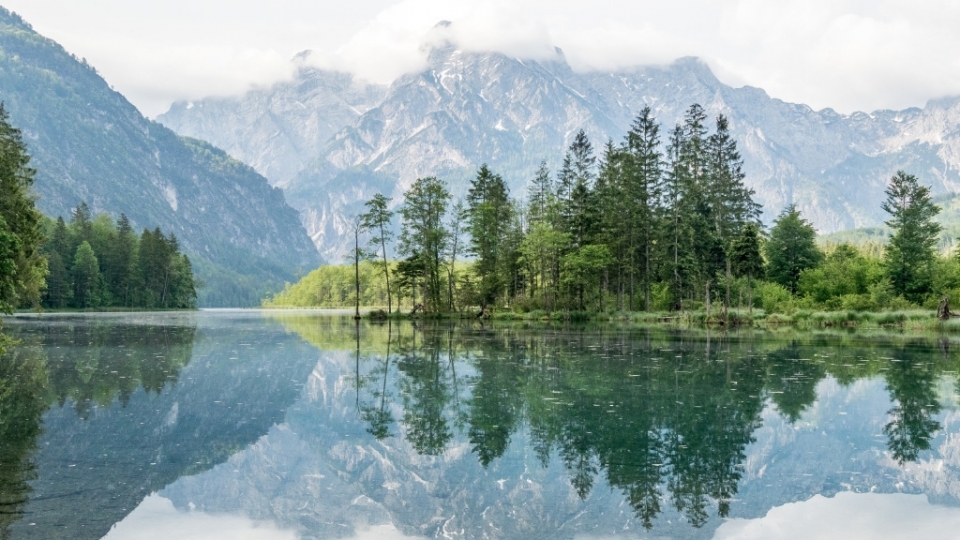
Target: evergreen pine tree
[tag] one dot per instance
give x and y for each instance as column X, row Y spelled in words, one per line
column 122, row 276
column 792, row 248
column 542, row 196
column 911, row 251
column 23, row 267
column 731, row 202
column 678, row 212
column 488, row 219
column 643, row 176
column 575, row 182
column 86, row 277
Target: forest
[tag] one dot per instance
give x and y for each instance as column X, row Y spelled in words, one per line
column 93, row 262
column 650, row 224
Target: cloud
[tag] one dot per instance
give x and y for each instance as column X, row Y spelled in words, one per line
column 849, row 516
column 846, row 54
column 157, row 519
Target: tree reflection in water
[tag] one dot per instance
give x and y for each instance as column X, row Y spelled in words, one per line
column 45, row 369
column 666, row 417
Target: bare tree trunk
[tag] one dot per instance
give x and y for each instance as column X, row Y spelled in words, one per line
column 356, row 268
column 646, row 279
column 726, row 300
column 707, row 304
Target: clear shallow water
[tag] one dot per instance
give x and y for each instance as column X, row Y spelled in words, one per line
column 292, row 425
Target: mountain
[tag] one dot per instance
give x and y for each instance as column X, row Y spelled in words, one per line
column 279, row 130
column 467, row 108
column 90, row 144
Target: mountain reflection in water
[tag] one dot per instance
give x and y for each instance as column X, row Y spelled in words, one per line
column 319, row 428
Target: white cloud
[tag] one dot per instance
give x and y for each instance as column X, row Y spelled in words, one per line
column 157, row 519
column 849, row 516
column 845, row 54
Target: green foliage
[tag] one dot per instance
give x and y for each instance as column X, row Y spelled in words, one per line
column 377, row 220
column 488, row 217
column 791, row 249
column 774, row 298
column 424, row 234
column 333, row 287
column 910, row 253
column 22, row 266
column 94, row 263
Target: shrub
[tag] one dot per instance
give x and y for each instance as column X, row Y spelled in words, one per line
column 774, row 298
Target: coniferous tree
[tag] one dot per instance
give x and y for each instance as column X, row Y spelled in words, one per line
column 643, row 176
column 731, row 202
column 745, row 258
column 616, row 220
column 706, row 249
column 909, row 255
column 488, row 219
column 86, row 277
column 377, row 220
column 122, row 278
column 59, row 290
column 678, row 217
column 792, row 248
column 22, row 265
column 542, row 195
column 82, row 223
column 578, row 211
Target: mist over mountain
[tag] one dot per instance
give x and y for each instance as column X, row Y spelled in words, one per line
column 88, row 143
column 468, row 108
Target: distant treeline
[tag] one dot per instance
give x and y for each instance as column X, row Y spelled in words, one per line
column 648, row 225
column 94, row 263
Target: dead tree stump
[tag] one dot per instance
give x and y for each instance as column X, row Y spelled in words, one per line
column 943, row 310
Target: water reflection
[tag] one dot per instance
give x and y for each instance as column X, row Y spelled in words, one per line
column 458, row 430
column 109, row 411
column 664, row 417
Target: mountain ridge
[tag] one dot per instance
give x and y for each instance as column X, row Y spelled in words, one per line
column 89, row 144
column 467, row 108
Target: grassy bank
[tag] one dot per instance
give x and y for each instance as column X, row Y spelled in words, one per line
column 916, row 320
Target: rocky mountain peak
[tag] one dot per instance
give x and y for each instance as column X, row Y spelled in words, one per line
column 468, row 107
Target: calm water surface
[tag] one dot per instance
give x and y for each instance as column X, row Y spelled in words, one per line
column 266, row 425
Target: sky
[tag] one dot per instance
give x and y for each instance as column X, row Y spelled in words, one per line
column 848, row 55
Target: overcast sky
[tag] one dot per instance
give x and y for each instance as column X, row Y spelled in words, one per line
column 845, row 54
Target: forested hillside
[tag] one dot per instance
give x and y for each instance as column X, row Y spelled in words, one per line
column 89, row 144
column 94, row 263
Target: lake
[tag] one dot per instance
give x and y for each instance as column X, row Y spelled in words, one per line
column 290, row 425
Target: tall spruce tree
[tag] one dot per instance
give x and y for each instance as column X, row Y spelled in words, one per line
column 706, row 257
column 22, row 265
column 677, row 225
column 643, row 175
column 617, row 227
column 911, row 251
column 541, row 194
column 578, row 211
column 488, row 220
column 122, row 278
column 731, row 202
column 86, row 277
column 792, row 248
